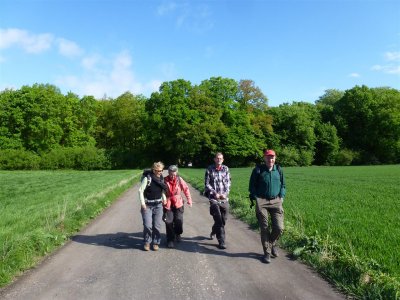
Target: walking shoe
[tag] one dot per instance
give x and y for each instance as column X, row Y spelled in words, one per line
column 274, row 251
column 155, row 247
column 266, row 258
column 221, row 245
column 146, row 247
column 170, row 244
column 178, row 238
column 212, row 236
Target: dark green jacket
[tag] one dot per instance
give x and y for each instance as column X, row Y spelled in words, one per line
column 266, row 184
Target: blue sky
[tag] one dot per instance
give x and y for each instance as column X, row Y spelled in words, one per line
column 293, row 50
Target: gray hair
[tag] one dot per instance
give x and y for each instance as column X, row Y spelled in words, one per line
column 173, row 168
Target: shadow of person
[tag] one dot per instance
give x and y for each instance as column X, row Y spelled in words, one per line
column 119, row 240
column 202, row 244
column 124, row 240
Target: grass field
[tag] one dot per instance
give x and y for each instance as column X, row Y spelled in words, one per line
column 344, row 221
column 39, row 210
column 349, row 214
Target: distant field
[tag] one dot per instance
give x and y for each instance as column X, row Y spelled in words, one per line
column 357, row 207
column 40, row 209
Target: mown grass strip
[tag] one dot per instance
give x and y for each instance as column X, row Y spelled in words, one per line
column 344, row 221
column 39, row 210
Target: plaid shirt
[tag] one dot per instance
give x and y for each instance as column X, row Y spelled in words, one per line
column 217, row 181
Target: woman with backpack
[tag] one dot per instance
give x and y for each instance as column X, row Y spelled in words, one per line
column 152, row 197
column 174, row 207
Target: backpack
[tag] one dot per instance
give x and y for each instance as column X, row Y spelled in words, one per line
column 146, row 173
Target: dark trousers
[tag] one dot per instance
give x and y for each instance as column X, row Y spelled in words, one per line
column 219, row 211
column 173, row 222
column 265, row 210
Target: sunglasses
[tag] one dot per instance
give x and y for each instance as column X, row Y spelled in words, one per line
column 158, row 171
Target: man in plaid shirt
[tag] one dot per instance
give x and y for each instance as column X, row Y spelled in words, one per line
column 217, row 187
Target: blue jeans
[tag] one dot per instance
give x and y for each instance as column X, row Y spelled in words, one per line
column 152, row 220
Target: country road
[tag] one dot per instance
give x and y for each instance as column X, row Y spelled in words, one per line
column 106, row 261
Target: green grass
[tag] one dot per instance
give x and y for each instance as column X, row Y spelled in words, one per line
column 344, row 221
column 39, row 210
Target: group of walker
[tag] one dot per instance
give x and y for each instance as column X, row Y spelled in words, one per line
column 161, row 200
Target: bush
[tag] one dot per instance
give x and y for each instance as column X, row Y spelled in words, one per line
column 78, row 158
column 13, row 159
column 59, row 158
column 91, row 158
column 288, row 156
column 345, row 157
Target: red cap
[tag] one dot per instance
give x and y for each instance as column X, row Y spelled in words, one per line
column 269, row 152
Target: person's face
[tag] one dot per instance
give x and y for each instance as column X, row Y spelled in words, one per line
column 269, row 160
column 172, row 174
column 157, row 171
column 219, row 159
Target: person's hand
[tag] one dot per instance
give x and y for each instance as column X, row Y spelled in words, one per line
column 252, row 199
column 222, row 197
column 251, row 203
column 190, row 204
column 217, row 196
column 144, row 206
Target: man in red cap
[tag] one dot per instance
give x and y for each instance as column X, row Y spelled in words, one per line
column 267, row 189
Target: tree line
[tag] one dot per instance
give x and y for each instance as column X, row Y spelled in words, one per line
column 40, row 128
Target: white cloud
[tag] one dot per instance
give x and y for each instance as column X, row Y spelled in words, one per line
column 68, row 48
column 166, row 8
column 354, row 75
column 388, row 69
column 91, row 62
column 192, row 16
column 111, row 77
column 392, row 66
column 31, row 43
column 392, row 56
column 168, row 70
column 153, row 86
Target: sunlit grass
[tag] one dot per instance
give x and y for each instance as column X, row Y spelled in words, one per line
column 39, row 210
column 347, row 212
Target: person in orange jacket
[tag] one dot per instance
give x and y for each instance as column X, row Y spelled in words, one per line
column 174, row 208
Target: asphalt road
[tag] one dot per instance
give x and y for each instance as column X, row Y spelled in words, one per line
column 106, row 261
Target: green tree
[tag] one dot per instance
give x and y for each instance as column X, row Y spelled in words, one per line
column 326, row 103
column 368, row 120
column 11, row 121
column 119, row 129
column 40, row 105
column 250, row 97
column 294, row 124
column 168, row 125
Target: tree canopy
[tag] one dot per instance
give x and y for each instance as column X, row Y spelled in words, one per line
column 182, row 123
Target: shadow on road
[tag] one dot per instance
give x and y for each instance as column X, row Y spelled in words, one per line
column 124, row 240
column 119, row 240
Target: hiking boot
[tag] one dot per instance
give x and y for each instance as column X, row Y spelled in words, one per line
column 155, row 247
column 170, row 244
column 146, row 247
column 221, row 245
column 178, row 238
column 266, row 258
column 274, row 251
